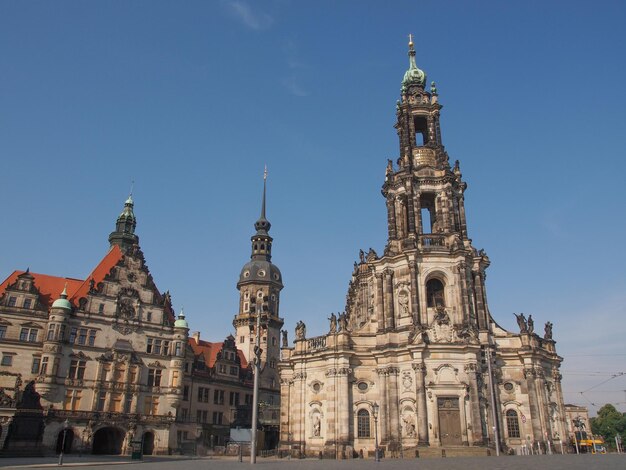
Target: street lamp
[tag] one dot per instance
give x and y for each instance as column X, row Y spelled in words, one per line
column 66, row 425
column 375, row 415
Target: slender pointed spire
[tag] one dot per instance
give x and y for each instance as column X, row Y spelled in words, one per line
column 264, row 189
column 263, row 225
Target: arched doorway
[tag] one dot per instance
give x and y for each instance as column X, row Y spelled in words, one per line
column 108, row 441
column 148, row 443
column 69, row 440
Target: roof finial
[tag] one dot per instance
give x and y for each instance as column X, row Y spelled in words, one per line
column 64, row 293
column 264, row 186
column 410, row 40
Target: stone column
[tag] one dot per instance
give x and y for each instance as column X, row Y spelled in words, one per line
column 417, row 207
column 383, row 411
column 391, row 218
column 480, row 299
column 410, row 209
column 389, row 314
column 464, row 297
column 344, row 412
column 533, row 402
column 474, row 405
column 562, row 426
column 415, row 310
column 286, row 385
column 380, row 316
column 393, row 403
column 462, row 214
column 422, row 413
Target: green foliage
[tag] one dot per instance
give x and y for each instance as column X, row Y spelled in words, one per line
column 608, row 424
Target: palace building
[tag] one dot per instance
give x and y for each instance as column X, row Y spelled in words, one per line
column 417, row 359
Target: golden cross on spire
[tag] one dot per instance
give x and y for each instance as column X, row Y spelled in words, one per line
column 410, row 39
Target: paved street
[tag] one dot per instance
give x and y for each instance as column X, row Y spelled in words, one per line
column 555, row 462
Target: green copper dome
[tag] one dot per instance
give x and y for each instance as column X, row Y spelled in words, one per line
column 62, row 302
column 413, row 76
column 181, row 322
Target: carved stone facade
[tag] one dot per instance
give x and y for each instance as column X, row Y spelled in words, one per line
column 417, row 331
column 107, row 355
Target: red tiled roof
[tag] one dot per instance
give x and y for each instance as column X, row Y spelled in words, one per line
column 50, row 287
column 209, row 351
column 103, row 268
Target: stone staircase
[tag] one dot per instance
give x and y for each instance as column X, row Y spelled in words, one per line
column 449, row 451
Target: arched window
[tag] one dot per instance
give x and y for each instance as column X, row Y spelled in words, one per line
column 512, row 423
column 363, row 423
column 434, row 293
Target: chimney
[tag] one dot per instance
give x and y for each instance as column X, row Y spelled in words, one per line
column 196, row 336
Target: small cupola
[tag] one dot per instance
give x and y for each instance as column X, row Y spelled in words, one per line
column 62, row 301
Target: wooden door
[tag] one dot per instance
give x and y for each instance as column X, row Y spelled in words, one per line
column 449, row 421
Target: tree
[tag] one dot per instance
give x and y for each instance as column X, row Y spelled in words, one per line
column 608, row 424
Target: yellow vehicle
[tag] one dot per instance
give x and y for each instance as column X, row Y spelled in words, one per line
column 588, row 443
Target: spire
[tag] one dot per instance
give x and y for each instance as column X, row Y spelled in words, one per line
column 263, row 225
column 413, row 76
column 124, row 234
column 62, row 301
column 261, row 240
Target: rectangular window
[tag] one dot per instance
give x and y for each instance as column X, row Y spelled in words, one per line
column 186, row 393
column 62, row 333
column 72, row 400
column 55, row 366
column 7, row 360
column 205, row 416
column 116, row 403
column 44, row 366
column 50, row 336
column 178, row 351
column 32, row 335
column 77, row 370
column 28, row 303
column 28, row 335
column 234, row 370
column 157, row 346
column 92, row 337
column 166, row 348
column 175, row 378
column 242, row 339
column 101, row 308
column 3, row 331
column 218, row 416
column 198, row 416
column 234, row 399
column 34, row 369
column 154, row 377
column 149, row 346
column 82, row 336
column 151, row 405
column 184, row 412
column 218, row 397
column 73, row 333
column 12, row 301
column 102, row 397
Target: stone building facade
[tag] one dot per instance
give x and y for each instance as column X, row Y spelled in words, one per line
column 105, row 354
column 417, row 359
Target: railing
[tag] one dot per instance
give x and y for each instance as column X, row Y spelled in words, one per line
column 317, row 344
column 433, row 242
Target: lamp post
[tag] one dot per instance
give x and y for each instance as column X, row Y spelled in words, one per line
column 375, row 415
column 66, row 425
column 258, row 309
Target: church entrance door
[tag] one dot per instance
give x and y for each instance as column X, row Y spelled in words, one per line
column 449, row 421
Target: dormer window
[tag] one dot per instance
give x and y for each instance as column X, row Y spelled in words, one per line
column 27, row 303
column 12, row 301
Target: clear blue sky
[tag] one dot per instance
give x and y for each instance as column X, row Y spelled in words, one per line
column 191, row 99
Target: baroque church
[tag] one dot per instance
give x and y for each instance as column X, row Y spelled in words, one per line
column 417, row 359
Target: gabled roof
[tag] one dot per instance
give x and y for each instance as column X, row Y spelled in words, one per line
column 209, row 350
column 104, row 267
column 50, row 287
